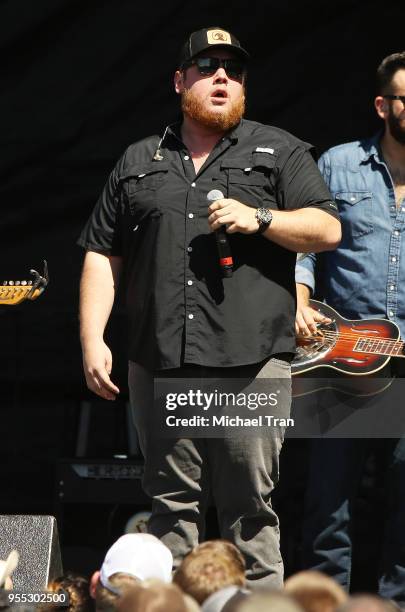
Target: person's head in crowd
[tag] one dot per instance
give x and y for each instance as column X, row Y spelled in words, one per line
column 4, row 607
column 390, row 98
column 132, row 558
column 7, row 582
column 156, row 596
column 6, row 569
column 225, row 599
column 209, row 567
column 267, row 601
column 77, row 589
column 368, row 603
column 106, row 598
column 315, row 591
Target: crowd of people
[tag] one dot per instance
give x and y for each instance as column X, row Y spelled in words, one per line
column 136, row 576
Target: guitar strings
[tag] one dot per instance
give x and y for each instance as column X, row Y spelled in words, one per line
column 332, row 335
column 351, row 337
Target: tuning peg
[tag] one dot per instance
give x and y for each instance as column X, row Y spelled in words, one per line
column 11, row 282
column 24, row 282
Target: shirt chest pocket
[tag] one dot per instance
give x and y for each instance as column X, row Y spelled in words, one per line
column 142, row 185
column 356, row 213
column 249, row 182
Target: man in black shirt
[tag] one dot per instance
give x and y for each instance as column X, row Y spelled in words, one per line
column 154, row 227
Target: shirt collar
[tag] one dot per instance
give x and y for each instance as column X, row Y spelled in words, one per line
column 372, row 148
column 234, row 134
column 174, row 129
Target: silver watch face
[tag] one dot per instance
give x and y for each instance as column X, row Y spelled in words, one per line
column 264, row 216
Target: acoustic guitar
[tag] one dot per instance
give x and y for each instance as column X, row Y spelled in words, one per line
column 354, row 347
column 15, row 292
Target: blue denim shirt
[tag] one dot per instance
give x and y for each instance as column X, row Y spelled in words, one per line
column 365, row 276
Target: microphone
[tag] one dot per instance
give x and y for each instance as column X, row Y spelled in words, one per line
column 224, row 250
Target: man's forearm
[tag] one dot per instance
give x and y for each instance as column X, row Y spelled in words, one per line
column 304, row 230
column 303, row 294
column 98, row 284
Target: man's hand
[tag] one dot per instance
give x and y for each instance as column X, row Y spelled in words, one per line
column 97, row 365
column 306, row 317
column 237, row 216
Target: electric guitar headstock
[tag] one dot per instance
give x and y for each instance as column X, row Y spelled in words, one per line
column 15, row 292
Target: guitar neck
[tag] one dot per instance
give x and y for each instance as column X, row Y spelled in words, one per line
column 381, row 346
column 15, row 292
column 10, row 295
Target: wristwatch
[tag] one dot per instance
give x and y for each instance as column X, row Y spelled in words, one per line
column 264, row 217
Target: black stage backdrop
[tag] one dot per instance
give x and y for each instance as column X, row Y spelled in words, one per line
column 81, row 80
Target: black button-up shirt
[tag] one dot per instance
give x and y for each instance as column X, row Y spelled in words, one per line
column 154, row 214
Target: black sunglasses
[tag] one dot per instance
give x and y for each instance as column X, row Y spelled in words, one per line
column 207, row 66
column 392, row 97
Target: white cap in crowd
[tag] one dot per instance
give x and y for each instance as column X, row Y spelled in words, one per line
column 138, row 554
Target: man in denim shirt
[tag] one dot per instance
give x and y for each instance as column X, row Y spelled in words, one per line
column 364, row 277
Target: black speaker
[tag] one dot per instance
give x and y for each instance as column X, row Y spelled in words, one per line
column 37, row 542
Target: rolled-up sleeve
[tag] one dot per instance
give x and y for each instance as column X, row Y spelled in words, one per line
column 305, row 270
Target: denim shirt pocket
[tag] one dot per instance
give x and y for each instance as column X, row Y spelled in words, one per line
column 356, row 213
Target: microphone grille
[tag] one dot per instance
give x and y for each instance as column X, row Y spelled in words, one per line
column 215, row 194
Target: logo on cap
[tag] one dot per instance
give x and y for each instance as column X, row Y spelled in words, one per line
column 216, row 37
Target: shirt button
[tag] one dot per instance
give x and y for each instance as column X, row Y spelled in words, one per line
column 393, row 258
column 189, row 283
column 392, row 207
column 396, row 233
column 191, row 316
column 189, row 249
column 391, row 313
column 186, row 157
column 193, row 184
column 190, row 215
column 392, row 287
column 403, row 209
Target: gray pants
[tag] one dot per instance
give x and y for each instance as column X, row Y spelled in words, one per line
column 239, row 472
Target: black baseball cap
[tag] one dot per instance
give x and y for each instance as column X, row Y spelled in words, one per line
column 204, row 39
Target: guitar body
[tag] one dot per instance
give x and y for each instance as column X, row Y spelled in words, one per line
column 339, row 343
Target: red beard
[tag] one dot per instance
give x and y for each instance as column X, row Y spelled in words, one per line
column 193, row 106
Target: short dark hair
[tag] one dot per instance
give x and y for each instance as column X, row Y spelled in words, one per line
column 387, row 69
